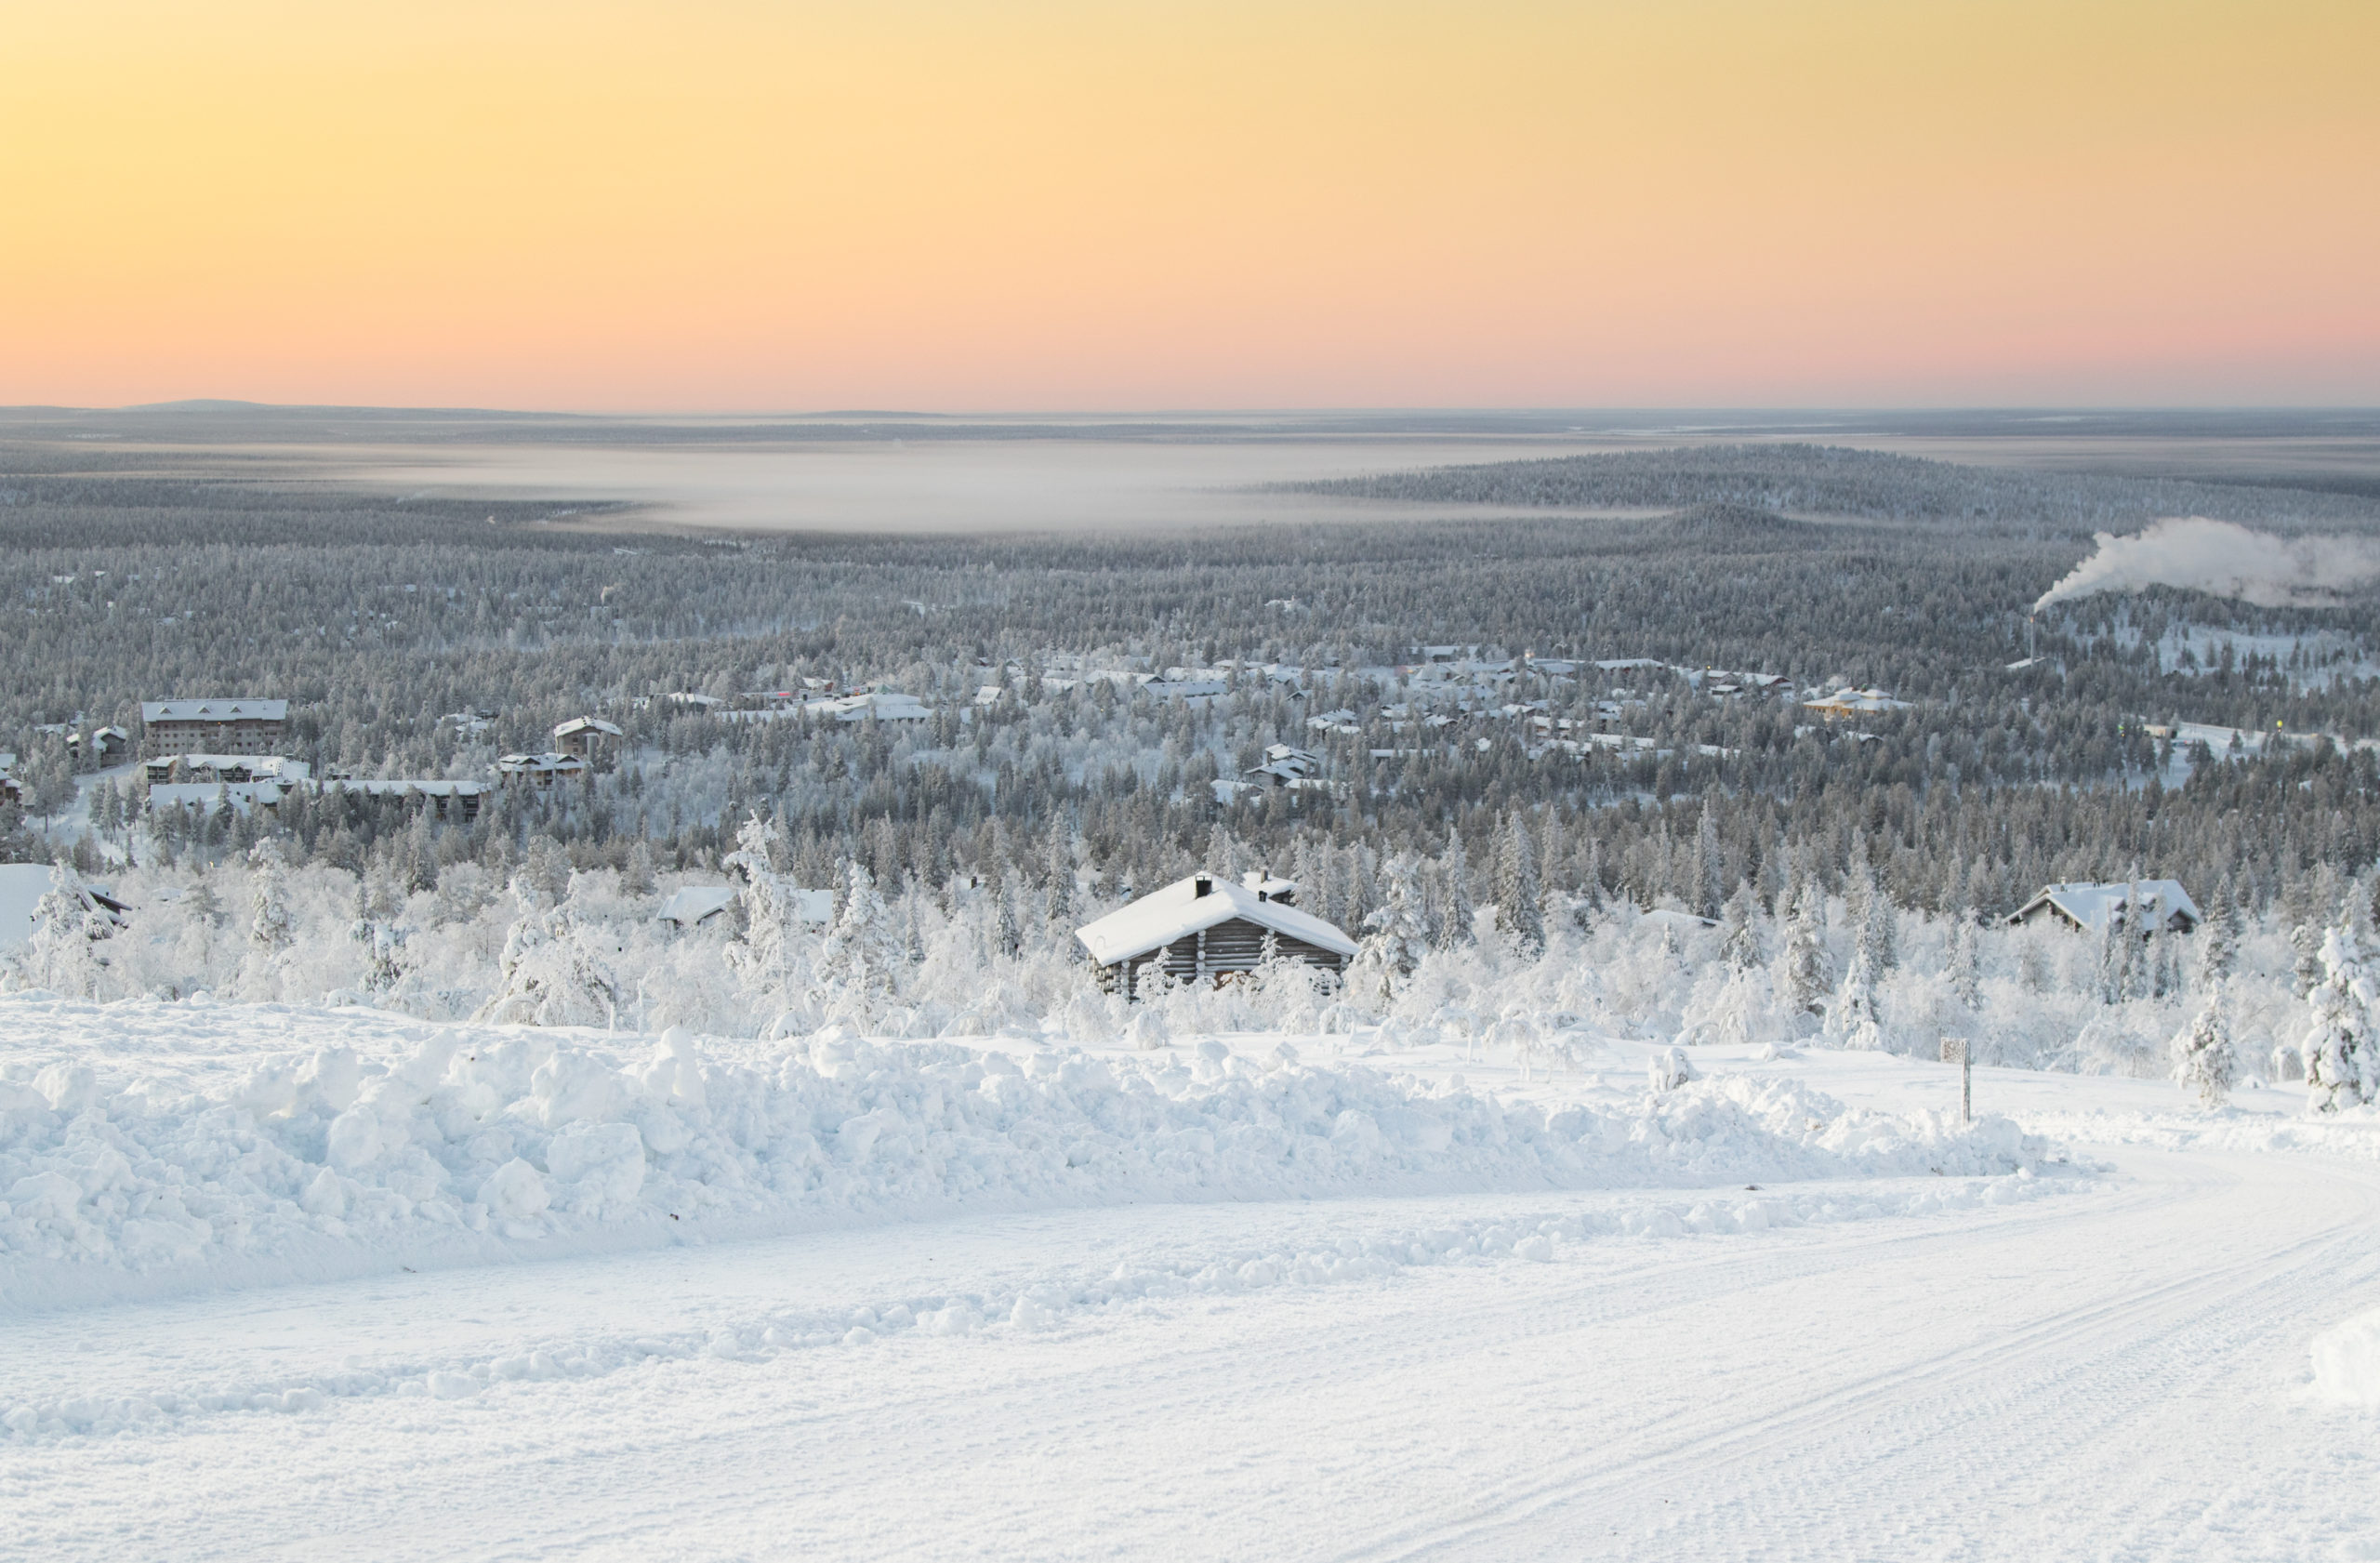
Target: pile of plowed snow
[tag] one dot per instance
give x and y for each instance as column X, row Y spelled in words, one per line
column 480, row 1145
column 2346, row 1362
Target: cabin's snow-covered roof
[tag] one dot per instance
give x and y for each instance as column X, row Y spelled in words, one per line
column 278, row 766
column 1166, row 915
column 689, row 905
column 241, row 796
column 1849, row 699
column 214, row 710
column 399, row 786
column 885, row 705
column 2091, row 905
column 587, row 724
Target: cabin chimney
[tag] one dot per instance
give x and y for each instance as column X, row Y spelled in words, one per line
column 1201, row 885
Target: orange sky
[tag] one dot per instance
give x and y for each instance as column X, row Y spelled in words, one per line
column 708, row 204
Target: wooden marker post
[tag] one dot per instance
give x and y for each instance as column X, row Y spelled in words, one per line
column 1954, row 1051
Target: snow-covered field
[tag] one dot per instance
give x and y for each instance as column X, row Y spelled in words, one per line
column 283, row 1280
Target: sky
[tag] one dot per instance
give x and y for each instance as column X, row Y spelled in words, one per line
column 1038, row 205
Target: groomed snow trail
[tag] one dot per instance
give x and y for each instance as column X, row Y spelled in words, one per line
column 2113, row 1374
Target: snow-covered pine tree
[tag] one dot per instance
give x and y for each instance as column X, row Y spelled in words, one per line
column 1062, row 905
column 269, row 925
column 1879, row 928
column 2306, row 939
column 552, row 972
column 1809, row 968
column 1396, row 937
column 862, row 960
column 2218, row 939
column 1454, row 909
column 2202, row 1053
column 1710, row 866
column 1517, row 910
column 1739, row 931
column 1852, row 1021
column 1963, row 971
column 1588, row 904
column 766, row 958
column 2341, row 1068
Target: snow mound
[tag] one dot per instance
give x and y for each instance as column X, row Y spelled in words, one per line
column 483, row 1144
column 2346, row 1362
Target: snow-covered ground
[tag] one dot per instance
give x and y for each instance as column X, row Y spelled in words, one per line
column 279, row 1281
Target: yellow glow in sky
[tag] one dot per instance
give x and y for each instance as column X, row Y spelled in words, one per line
column 1041, row 204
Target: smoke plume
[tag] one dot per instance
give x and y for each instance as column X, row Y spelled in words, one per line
column 2226, row 560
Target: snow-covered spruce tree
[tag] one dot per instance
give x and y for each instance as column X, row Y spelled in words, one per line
column 2219, row 940
column 1739, row 931
column 1710, row 865
column 1061, row 903
column 2341, row 1068
column 2306, row 939
column 1396, row 937
column 1879, row 928
column 1963, row 971
column 553, row 975
column 859, row 969
column 1517, row 910
column 1453, row 912
column 2203, row 1054
column 1852, row 1021
column 764, row 960
column 1808, row 967
column 381, row 938
column 271, row 931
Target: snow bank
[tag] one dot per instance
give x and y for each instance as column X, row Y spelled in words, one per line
column 2354, row 1133
column 2346, row 1362
column 483, row 1144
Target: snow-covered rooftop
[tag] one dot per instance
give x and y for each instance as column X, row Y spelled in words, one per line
column 153, row 711
column 2092, row 904
column 1178, row 910
column 689, row 905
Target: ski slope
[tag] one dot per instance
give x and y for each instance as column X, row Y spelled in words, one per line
column 2106, row 1356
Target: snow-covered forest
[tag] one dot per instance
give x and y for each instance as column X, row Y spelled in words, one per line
column 1555, row 770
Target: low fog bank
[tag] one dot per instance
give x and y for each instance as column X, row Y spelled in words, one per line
column 937, row 486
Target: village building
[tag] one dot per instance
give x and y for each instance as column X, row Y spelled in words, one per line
column 1284, row 764
column 1205, row 929
column 213, row 726
column 580, row 734
column 103, row 743
column 698, row 904
column 882, row 705
column 1849, row 702
column 2090, row 908
column 444, row 799
column 207, row 798
column 539, row 770
column 174, row 768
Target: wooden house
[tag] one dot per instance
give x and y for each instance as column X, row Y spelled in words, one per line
column 1204, row 929
column 580, row 734
column 2089, row 908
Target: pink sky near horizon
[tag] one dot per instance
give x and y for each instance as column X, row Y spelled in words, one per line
column 731, row 206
